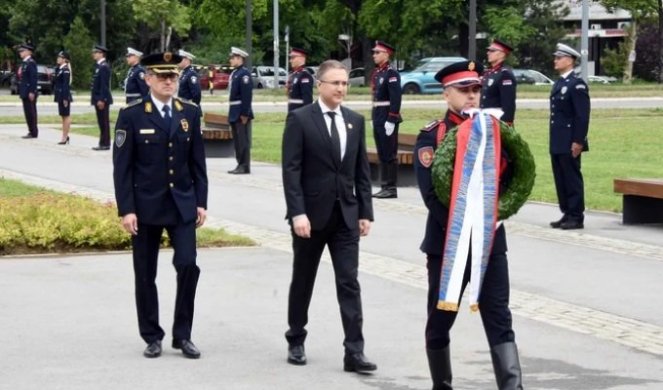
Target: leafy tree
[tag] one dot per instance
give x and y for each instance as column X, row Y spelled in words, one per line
column 78, row 42
column 164, row 15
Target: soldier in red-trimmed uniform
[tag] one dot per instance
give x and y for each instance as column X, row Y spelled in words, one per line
column 499, row 83
column 300, row 81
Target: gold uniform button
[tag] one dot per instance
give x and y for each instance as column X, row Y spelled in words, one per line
column 172, row 185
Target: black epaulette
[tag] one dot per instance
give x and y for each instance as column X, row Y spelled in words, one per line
column 431, row 125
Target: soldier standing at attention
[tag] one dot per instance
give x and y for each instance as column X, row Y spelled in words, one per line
column 569, row 124
column 134, row 85
column 27, row 88
column 189, row 83
column 62, row 93
column 300, row 82
column 161, row 183
column 499, row 83
column 240, row 112
column 386, row 86
column 101, row 97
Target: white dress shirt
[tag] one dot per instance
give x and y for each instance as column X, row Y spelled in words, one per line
column 340, row 124
column 159, row 105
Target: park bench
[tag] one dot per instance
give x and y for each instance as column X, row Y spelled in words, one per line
column 217, row 135
column 642, row 201
column 405, row 156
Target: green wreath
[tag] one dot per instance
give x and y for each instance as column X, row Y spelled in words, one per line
column 522, row 165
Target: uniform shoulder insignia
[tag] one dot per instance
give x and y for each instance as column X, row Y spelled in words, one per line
column 431, row 125
column 134, row 103
column 184, row 101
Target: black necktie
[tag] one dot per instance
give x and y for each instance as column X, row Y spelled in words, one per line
column 335, row 138
column 166, row 116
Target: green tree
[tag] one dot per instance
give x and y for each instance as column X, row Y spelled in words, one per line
column 78, row 42
column 164, row 16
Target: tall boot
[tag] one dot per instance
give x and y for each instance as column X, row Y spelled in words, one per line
column 439, row 362
column 507, row 366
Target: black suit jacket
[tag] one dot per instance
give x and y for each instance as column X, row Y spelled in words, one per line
column 313, row 180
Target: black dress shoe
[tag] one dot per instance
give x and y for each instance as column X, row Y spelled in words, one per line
column 357, row 362
column 101, row 147
column 28, row 136
column 386, row 193
column 296, row 355
column 239, row 171
column 570, row 225
column 153, row 349
column 557, row 224
column 188, row 349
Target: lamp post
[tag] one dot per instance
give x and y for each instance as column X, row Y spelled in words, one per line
column 347, row 39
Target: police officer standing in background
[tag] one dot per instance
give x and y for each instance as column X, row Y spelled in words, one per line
column 62, row 93
column 134, row 85
column 27, row 88
column 499, row 83
column 569, row 124
column 161, row 183
column 189, row 83
column 386, row 87
column 101, row 97
column 240, row 112
column 300, row 82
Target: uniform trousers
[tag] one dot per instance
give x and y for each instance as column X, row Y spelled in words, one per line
column 103, row 120
column 387, row 145
column 343, row 244
column 242, row 141
column 145, row 254
column 569, row 185
column 30, row 112
column 493, row 303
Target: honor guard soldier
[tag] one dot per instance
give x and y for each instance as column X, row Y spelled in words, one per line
column 462, row 90
column 134, row 85
column 240, row 112
column 499, row 83
column 62, row 93
column 300, row 82
column 27, row 88
column 101, row 97
column 189, row 82
column 569, row 124
column 386, row 90
column 161, row 183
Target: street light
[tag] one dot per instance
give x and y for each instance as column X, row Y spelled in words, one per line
column 348, row 46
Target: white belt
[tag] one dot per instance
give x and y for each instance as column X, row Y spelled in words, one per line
column 132, row 94
column 235, row 103
column 296, row 101
column 381, row 104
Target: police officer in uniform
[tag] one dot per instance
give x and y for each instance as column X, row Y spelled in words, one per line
column 189, row 82
column 101, row 97
column 27, row 88
column 569, row 124
column 386, row 89
column 134, row 85
column 462, row 87
column 240, row 112
column 499, row 83
column 62, row 93
column 161, row 183
column 300, row 82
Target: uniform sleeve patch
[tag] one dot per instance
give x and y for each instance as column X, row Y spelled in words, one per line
column 246, row 79
column 581, row 86
column 507, row 82
column 194, row 79
column 120, row 137
column 393, row 79
column 141, row 75
column 305, row 81
column 425, row 155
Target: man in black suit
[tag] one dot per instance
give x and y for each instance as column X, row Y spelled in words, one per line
column 327, row 187
column 101, row 97
column 27, row 88
column 569, row 124
column 161, row 183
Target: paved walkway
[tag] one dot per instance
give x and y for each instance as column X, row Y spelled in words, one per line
column 586, row 304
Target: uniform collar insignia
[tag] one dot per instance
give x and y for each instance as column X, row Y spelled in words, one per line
column 148, row 107
column 178, row 105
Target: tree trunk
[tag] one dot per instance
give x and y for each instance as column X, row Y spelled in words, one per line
column 660, row 42
column 630, row 39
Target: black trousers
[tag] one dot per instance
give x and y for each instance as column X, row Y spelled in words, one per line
column 343, row 244
column 387, row 146
column 103, row 120
column 569, row 185
column 30, row 112
column 145, row 254
column 493, row 303
column 242, row 141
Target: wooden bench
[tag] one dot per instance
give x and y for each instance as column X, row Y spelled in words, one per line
column 642, row 201
column 217, row 135
column 405, row 156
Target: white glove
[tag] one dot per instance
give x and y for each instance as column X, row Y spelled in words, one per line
column 389, row 127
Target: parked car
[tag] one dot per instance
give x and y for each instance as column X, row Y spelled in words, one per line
column 357, row 77
column 263, row 77
column 313, row 70
column 422, row 78
column 44, row 81
column 601, row 79
column 220, row 79
column 5, row 78
column 529, row 76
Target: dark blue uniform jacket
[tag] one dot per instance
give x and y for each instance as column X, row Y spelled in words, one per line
column 569, row 114
column 300, row 89
column 189, row 85
column 241, row 94
column 499, row 91
column 101, row 84
column 135, row 86
column 28, row 80
column 61, row 84
column 386, row 83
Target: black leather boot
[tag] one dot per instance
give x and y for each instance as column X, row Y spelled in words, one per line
column 507, row 366
column 439, row 362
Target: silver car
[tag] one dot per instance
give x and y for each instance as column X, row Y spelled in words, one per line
column 263, row 77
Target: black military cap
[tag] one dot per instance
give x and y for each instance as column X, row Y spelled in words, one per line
column 464, row 74
column 501, row 46
column 383, row 46
column 64, row 55
column 26, row 46
column 295, row 51
column 100, row 48
column 162, row 62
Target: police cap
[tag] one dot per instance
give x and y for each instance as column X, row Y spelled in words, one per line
column 563, row 50
column 186, row 54
column 64, row 55
column 162, row 63
column 496, row 44
column 236, row 51
column 100, row 49
column 463, row 74
column 384, row 46
column 133, row 52
column 25, row 46
column 295, row 51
